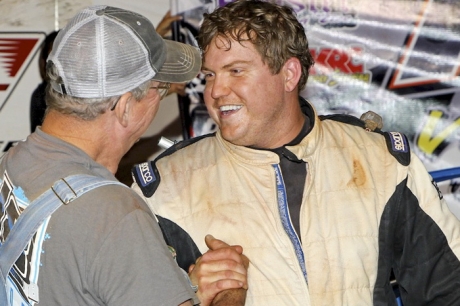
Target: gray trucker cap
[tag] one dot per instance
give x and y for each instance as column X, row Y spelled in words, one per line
column 106, row 51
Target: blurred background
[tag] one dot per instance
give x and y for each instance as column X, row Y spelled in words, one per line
column 23, row 29
column 398, row 58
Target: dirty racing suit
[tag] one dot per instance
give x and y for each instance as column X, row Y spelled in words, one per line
column 369, row 208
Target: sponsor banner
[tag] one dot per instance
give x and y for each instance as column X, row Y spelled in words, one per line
column 400, row 59
column 23, row 29
column 18, row 51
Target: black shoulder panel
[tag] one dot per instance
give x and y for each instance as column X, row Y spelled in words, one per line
column 146, row 174
column 348, row 119
column 176, row 237
column 398, row 146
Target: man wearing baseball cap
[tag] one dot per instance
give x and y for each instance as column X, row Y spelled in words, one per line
column 108, row 71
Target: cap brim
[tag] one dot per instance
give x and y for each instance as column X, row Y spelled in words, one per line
column 182, row 64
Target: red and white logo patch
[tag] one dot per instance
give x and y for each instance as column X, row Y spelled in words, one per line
column 16, row 52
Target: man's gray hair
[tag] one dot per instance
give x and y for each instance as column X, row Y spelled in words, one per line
column 84, row 108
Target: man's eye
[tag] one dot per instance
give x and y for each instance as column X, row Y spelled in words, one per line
column 208, row 75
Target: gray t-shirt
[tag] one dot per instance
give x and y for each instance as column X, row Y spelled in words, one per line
column 105, row 248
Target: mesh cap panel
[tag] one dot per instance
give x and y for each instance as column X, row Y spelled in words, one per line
column 106, row 51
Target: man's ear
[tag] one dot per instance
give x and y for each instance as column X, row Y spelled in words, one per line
column 123, row 108
column 292, row 71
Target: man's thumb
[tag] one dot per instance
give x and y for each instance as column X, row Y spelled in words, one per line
column 213, row 243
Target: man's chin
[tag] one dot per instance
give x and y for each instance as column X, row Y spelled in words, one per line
column 237, row 141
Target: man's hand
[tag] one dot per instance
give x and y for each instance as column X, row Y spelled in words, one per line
column 223, row 268
column 164, row 26
column 178, row 88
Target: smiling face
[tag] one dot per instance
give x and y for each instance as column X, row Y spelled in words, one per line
column 251, row 105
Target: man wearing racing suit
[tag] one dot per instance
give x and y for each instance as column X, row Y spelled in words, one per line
column 325, row 210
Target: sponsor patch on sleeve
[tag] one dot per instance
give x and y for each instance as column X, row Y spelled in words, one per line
column 145, row 174
column 398, row 146
column 398, row 142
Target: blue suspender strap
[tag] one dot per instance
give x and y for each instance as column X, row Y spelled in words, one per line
column 63, row 191
column 286, row 219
